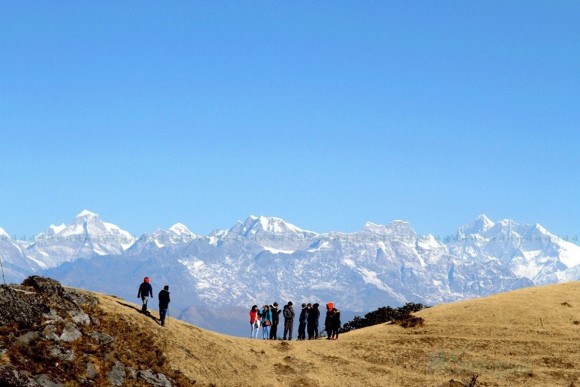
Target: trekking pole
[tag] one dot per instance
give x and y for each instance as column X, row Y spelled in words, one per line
column 2, row 265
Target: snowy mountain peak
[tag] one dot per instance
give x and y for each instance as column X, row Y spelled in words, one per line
column 509, row 227
column 3, row 233
column 259, row 225
column 396, row 228
column 87, row 235
column 86, row 214
column 374, row 228
column 53, row 230
column 479, row 225
column 182, row 230
column 539, row 228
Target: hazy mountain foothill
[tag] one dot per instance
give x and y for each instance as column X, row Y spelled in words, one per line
column 215, row 279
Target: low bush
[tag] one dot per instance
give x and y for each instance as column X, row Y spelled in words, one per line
column 383, row 315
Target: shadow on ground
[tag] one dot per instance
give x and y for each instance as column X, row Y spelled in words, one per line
column 148, row 314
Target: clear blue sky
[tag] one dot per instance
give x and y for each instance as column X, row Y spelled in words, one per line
column 326, row 114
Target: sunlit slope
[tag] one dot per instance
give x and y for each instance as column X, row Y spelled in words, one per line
column 526, row 337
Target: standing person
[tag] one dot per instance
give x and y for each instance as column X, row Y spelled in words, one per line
column 316, row 318
column 275, row 320
column 288, row 320
column 312, row 321
column 254, row 322
column 302, row 322
column 164, row 301
column 335, row 323
column 145, row 291
column 266, row 322
column 328, row 320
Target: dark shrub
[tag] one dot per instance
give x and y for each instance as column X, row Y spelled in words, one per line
column 383, row 315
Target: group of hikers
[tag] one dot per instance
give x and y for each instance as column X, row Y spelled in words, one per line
column 146, row 292
column 268, row 318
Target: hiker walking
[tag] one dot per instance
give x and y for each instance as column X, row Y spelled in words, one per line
column 145, row 291
column 266, row 316
column 275, row 320
column 302, row 322
column 313, row 316
column 164, row 300
column 288, row 320
column 254, row 322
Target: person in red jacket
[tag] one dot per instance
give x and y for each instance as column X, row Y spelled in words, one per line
column 254, row 322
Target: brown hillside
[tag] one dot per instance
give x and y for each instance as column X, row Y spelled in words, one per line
column 527, row 337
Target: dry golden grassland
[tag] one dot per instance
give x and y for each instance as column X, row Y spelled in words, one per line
column 527, row 337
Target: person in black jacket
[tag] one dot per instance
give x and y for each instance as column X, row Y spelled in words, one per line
column 275, row 321
column 145, row 291
column 288, row 320
column 163, row 303
column 335, row 321
column 313, row 317
column 328, row 320
column 302, row 322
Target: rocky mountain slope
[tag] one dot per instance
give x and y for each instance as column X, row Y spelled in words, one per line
column 55, row 336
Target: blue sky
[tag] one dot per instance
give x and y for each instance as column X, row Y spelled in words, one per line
column 326, row 114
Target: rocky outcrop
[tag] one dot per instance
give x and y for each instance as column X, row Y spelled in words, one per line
column 56, row 336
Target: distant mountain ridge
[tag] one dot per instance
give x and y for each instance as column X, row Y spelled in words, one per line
column 263, row 259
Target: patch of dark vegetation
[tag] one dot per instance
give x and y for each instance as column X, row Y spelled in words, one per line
column 51, row 335
column 284, row 346
column 402, row 316
column 284, row 369
column 565, row 303
column 410, row 322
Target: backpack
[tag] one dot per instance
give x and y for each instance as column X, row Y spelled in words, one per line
column 287, row 312
column 275, row 317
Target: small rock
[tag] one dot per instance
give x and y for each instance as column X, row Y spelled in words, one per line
column 156, row 380
column 49, row 333
column 62, row 354
column 80, row 317
column 102, row 338
column 132, row 372
column 70, row 333
column 28, row 338
column 91, row 370
column 117, row 374
column 51, row 316
column 79, row 298
column 44, row 381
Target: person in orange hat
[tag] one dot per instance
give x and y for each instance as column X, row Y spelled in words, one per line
column 145, row 291
column 328, row 320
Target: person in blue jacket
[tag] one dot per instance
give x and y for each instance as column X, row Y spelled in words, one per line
column 266, row 316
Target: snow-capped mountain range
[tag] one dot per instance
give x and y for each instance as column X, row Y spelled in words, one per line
column 263, row 259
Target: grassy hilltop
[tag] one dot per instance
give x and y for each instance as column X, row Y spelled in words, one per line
column 526, row 337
